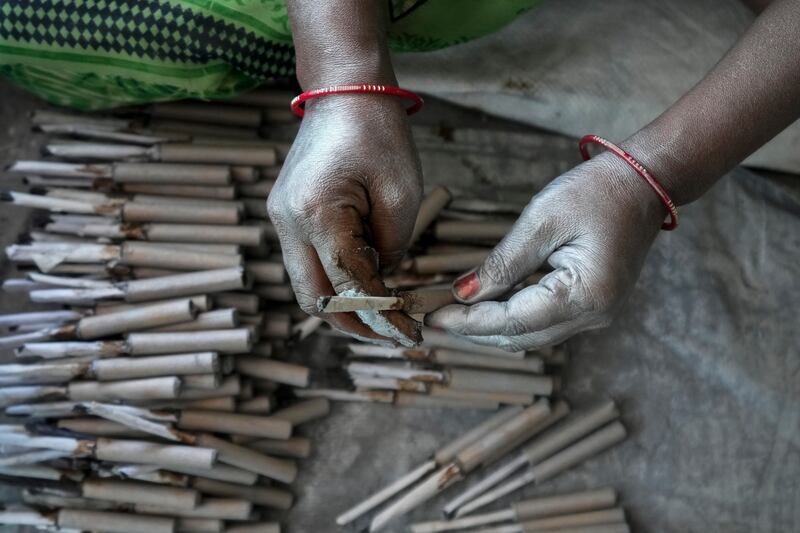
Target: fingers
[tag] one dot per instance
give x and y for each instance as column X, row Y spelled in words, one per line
column 352, row 266
column 393, row 212
column 540, row 315
column 309, row 282
column 526, row 247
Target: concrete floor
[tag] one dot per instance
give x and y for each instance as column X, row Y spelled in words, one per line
column 673, row 361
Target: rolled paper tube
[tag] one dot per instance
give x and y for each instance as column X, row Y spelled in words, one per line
column 386, row 493
column 196, row 129
column 277, row 326
column 305, row 411
column 267, row 271
column 76, row 150
column 231, row 386
column 275, row 293
column 39, row 374
column 218, row 508
column 222, row 341
column 554, row 465
column 423, row 492
column 227, row 404
column 156, row 199
column 33, row 472
column 236, row 424
column 306, row 327
column 599, row 528
column 260, row 405
column 141, row 254
column 138, row 492
column 88, row 131
column 262, row 527
column 41, row 117
column 179, row 214
column 393, row 371
column 559, row 410
column 505, row 398
column 259, row 189
column 583, row 449
column 469, row 231
column 243, row 302
column 256, row 320
column 244, row 235
column 191, row 191
column 201, row 303
column 199, row 525
column 578, row 520
column 159, row 173
column 432, row 204
column 286, row 373
column 390, row 384
column 82, row 519
column 281, row 469
column 220, row 472
column 447, row 263
column 244, row 174
column 227, row 115
column 439, row 339
column 175, row 312
column 489, row 381
column 443, row 356
column 135, row 389
column 348, row 304
column 569, row 432
column 67, row 170
column 57, row 350
column 202, row 381
column 476, row 453
column 338, row 395
column 47, row 254
column 448, row 452
column 15, row 395
column 218, row 319
column 207, row 281
column 27, row 517
column 274, row 115
column 255, row 207
column 217, row 153
column 74, row 296
column 438, row 526
column 39, row 317
column 412, row 399
column 99, row 427
column 427, row 300
column 168, row 456
column 296, row 447
column 259, row 495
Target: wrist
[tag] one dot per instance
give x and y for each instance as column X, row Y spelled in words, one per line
column 629, row 190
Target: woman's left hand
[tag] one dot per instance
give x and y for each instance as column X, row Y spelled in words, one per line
column 594, row 226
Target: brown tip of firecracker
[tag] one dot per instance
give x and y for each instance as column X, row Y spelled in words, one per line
column 5, row 196
column 38, row 190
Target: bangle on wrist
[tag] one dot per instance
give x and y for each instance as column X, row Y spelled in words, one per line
column 299, row 100
column 639, row 168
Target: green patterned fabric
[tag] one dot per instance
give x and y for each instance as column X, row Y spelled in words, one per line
column 95, row 54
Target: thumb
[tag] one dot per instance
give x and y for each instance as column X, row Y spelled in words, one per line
column 526, row 247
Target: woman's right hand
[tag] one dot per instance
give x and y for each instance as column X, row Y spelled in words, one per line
column 344, row 207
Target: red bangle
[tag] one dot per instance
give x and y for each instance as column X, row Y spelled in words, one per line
column 639, row 168
column 300, row 99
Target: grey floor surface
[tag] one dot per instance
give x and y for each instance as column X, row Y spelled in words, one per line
column 704, row 360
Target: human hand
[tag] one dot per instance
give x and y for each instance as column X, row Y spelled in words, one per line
column 344, row 207
column 593, row 226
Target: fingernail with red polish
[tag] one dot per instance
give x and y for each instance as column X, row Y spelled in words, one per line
column 468, row 286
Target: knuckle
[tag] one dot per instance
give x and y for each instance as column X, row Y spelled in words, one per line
column 497, row 268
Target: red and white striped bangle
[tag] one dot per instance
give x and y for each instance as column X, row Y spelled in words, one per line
column 299, row 100
column 639, row 168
